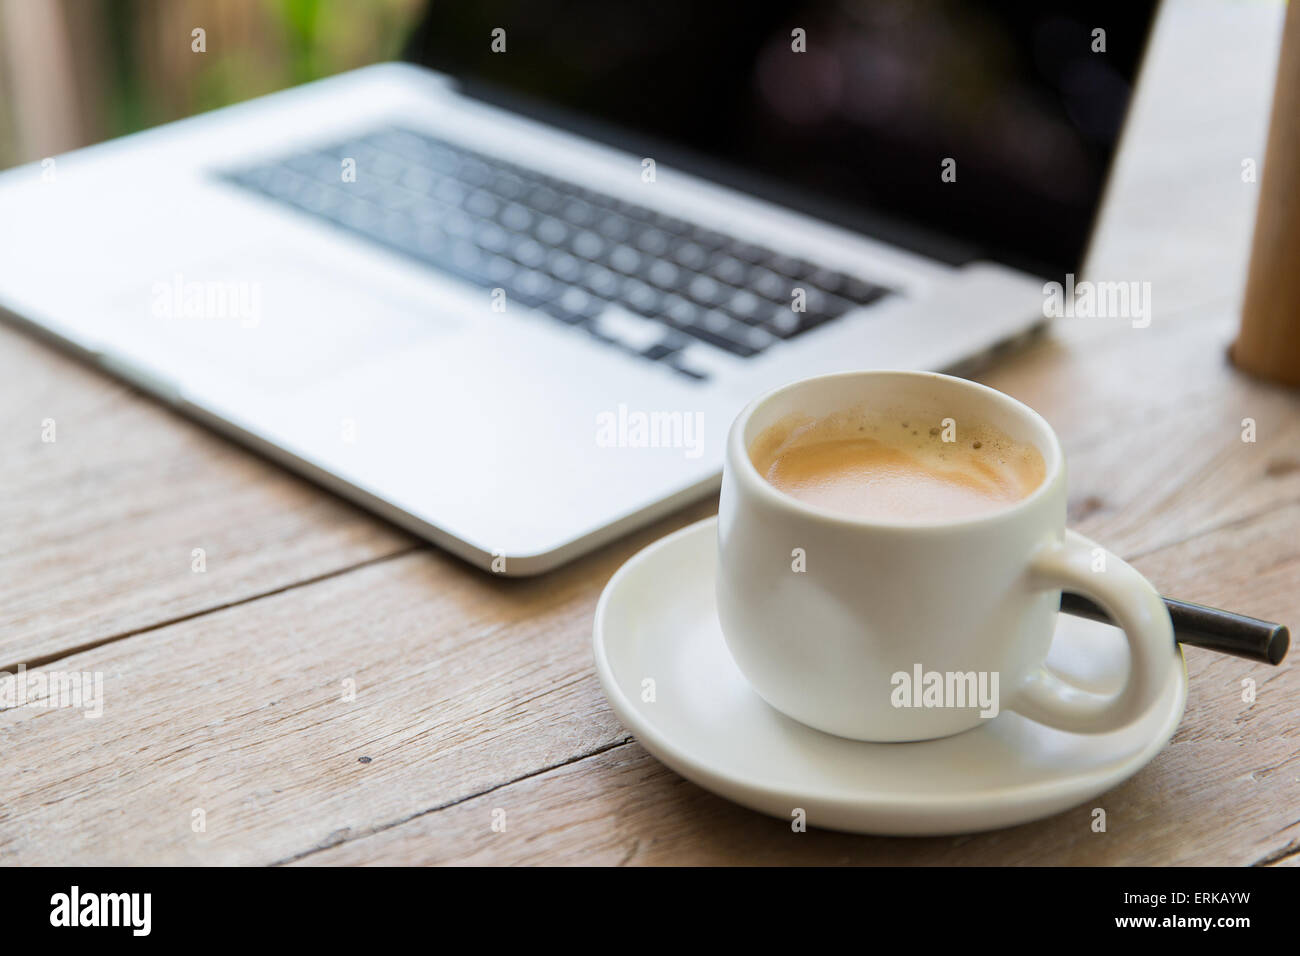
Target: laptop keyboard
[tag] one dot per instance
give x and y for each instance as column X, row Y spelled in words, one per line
column 635, row 278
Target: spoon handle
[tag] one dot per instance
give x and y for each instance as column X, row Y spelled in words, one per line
column 1207, row 627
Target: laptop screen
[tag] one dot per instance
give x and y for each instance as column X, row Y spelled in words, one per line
column 961, row 129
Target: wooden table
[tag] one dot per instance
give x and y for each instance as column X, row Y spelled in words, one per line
column 330, row 690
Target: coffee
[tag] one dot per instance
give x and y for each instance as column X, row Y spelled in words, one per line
column 897, row 466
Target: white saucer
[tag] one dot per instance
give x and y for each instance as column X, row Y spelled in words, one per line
column 656, row 621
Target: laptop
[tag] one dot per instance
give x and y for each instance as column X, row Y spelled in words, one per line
column 510, row 293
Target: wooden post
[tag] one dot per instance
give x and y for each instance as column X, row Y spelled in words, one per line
column 1268, row 344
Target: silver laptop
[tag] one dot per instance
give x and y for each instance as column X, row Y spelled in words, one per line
column 511, row 293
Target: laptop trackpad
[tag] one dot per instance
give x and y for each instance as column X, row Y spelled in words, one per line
column 272, row 321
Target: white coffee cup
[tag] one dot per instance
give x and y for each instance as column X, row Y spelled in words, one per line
column 824, row 611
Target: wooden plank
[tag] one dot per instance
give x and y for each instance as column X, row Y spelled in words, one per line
column 98, row 527
column 1152, row 463
column 463, row 681
column 1094, row 379
column 1225, row 791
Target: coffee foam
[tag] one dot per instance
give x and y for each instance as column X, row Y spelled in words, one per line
column 895, row 465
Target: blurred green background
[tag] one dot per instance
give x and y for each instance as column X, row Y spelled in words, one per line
column 74, row 72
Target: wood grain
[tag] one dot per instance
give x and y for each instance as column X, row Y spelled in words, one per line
column 1225, row 791
column 466, row 683
column 461, row 682
column 98, row 527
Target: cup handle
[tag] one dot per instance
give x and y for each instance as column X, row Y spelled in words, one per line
column 1134, row 604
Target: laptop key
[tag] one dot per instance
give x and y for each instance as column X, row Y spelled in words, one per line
column 450, row 192
column 383, row 165
column 473, row 172
column 676, row 363
column 323, row 169
column 670, row 224
column 681, row 312
column 663, row 274
column 528, row 252
column 640, row 297
column 533, row 287
column 783, row 321
column 862, row 292
column 431, row 243
column 624, row 259
column 707, row 291
column 501, row 271
column 419, row 180
column 482, row 204
column 790, row 266
column 654, row 242
column 691, row 254
column 316, row 198
column 359, row 215
column 756, row 338
column 396, row 198
column 600, row 281
column 823, row 304
column 614, row 228
column 708, row 238
column 578, row 212
column 640, row 215
column 770, row 285
column 515, row 217
column 728, row 269
column 846, row 286
column 508, row 185
column 588, row 245
column 575, row 306
column 551, row 231
column 660, row 350
column 492, row 237
column 564, row 267
column 543, row 199
column 669, row 345
column 748, row 307
column 747, row 252
column 397, row 230
column 283, row 183
column 626, row 328
column 721, row 330
column 469, row 262
column 426, row 211
column 454, row 222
